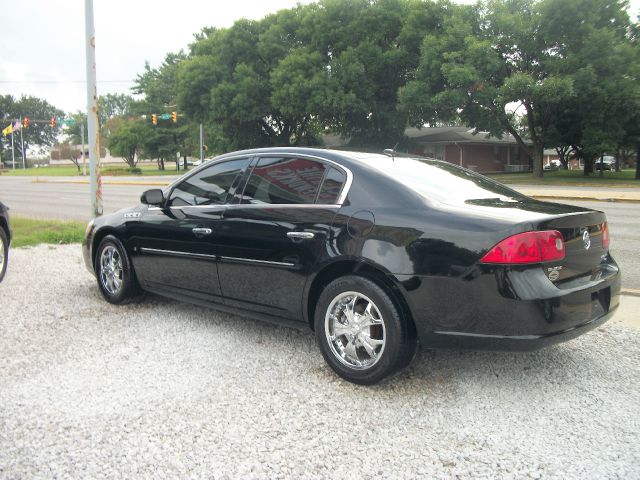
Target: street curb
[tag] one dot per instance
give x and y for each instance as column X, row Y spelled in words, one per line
column 592, row 199
column 104, row 182
column 632, row 292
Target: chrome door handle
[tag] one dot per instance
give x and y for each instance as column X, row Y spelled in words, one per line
column 201, row 231
column 300, row 235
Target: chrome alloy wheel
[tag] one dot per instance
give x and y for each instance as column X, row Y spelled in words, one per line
column 355, row 330
column 111, row 270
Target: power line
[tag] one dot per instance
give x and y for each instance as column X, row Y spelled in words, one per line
column 62, row 81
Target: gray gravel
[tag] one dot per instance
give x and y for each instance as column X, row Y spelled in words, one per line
column 163, row 389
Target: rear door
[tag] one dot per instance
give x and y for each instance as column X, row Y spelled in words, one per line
column 270, row 239
column 174, row 248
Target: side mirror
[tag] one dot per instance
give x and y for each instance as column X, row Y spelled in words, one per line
column 152, row 197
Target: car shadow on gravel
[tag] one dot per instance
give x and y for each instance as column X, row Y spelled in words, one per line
column 438, row 371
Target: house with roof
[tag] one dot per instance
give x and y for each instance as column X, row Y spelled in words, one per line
column 476, row 151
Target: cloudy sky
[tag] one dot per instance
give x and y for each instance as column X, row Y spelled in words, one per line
column 42, row 49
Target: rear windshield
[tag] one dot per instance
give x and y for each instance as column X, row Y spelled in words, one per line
column 444, row 182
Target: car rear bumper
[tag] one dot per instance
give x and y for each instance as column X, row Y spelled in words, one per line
column 502, row 309
column 477, row 341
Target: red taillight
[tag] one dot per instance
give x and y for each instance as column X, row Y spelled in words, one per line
column 527, row 247
column 605, row 236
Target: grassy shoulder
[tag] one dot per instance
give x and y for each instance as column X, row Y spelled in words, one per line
column 625, row 178
column 29, row 231
column 106, row 171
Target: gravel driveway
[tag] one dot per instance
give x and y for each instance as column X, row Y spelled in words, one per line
column 162, row 389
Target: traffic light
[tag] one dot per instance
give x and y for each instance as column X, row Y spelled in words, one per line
column 53, row 122
column 25, row 122
column 154, row 119
column 174, row 117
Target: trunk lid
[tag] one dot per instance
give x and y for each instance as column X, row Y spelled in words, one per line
column 584, row 249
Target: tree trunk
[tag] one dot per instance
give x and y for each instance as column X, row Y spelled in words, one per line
column 588, row 165
column 562, row 155
column 538, row 144
column 602, row 164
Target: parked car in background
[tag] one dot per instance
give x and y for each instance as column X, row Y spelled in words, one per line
column 5, row 239
column 608, row 163
column 372, row 252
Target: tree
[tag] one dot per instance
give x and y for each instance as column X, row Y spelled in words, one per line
column 489, row 66
column 158, row 87
column 114, row 105
column 285, row 79
column 598, row 55
column 70, row 151
column 127, row 140
column 39, row 132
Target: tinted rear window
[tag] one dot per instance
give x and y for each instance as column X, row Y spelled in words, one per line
column 443, row 181
column 331, row 187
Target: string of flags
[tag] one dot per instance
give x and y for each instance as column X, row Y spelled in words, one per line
column 13, row 127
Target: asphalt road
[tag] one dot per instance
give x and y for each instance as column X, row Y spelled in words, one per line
column 66, row 201
column 70, row 201
column 624, row 227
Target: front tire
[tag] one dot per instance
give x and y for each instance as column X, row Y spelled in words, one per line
column 361, row 331
column 4, row 253
column 116, row 278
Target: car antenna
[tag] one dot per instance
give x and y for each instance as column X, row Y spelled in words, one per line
column 391, row 152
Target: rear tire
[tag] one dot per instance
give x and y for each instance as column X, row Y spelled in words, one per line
column 116, row 278
column 4, row 253
column 361, row 331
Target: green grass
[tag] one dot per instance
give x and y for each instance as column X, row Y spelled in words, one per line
column 107, row 170
column 29, row 232
column 625, row 178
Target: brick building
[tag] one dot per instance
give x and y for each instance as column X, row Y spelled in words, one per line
column 480, row 151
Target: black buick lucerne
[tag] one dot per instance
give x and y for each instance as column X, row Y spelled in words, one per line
column 372, row 252
column 5, row 239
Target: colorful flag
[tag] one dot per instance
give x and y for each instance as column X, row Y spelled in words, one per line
column 7, row 130
column 17, row 125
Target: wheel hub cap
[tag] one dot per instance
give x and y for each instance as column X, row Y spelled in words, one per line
column 355, row 330
column 111, row 270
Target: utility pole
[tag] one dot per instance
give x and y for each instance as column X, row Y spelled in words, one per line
column 92, row 111
column 24, row 163
column 201, row 144
column 84, row 154
column 13, row 156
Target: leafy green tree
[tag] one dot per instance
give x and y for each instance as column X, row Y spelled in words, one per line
column 127, row 140
column 114, row 105
column 597, row 53
column 39, row 132
column 285, row 79
column 488, row 63
column 159, row 91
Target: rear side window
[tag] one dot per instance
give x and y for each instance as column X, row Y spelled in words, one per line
column 284, row 181
column 331, row 187
column 210, row 186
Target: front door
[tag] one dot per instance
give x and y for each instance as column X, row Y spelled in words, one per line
column 173, row 247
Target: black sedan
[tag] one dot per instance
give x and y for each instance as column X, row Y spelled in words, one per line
column 5, row 239
column 373, row 252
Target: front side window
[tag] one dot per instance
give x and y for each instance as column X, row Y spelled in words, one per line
column 284, row 181
column 210, row 186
